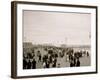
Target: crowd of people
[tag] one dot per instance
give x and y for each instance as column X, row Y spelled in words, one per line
column 48, row 57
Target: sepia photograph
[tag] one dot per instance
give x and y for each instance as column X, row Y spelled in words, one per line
column 56, row 39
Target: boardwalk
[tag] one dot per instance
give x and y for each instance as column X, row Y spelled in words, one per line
column 84, row 60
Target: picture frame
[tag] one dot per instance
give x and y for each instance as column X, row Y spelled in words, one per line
column 64, row 36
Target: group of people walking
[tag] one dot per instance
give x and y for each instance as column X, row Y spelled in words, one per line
column 50, row 59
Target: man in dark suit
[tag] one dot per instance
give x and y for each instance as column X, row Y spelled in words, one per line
column 33, row 64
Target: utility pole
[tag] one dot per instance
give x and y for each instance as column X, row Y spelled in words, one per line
column 89, row 35
column 66, row 40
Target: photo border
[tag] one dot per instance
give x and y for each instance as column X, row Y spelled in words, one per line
column 14, row 37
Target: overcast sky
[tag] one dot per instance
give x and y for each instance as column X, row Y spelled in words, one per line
column 56, row 28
